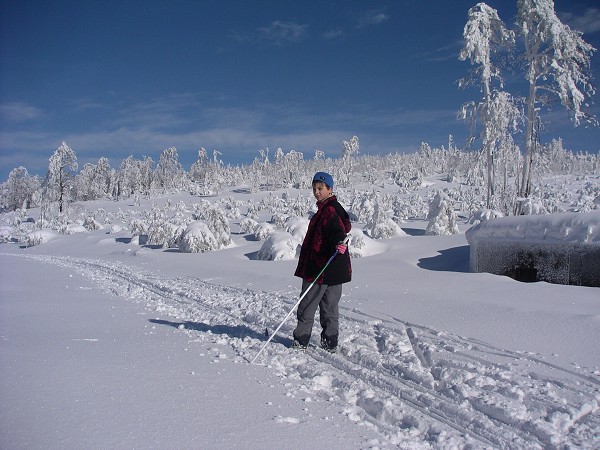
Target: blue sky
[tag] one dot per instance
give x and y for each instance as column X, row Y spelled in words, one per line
column 120, row 78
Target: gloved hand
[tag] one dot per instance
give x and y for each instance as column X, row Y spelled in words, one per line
column 341, row 248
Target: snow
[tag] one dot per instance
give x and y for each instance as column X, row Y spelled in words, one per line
column 109, row 344
column 564, row 227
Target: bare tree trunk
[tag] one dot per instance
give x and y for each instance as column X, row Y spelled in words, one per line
column 529, row 142
column 61, row 193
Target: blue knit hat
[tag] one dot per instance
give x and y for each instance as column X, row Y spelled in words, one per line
column 323, row 177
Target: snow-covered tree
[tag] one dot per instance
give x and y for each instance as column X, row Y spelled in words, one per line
column 169, row 173
column 350, row 151
column 263, row 230
column 197, row 238
column 198, row 171
column 218, row 223
column 486, row 37
column 379, row 223
column 247, row 225
column 442, row 218
column 19, row 190
column 134, row 176
column 94, row 180
column 59, row 180
column 279, row 246
column 557, row 63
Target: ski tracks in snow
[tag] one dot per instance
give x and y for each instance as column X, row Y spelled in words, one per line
column 418, row 387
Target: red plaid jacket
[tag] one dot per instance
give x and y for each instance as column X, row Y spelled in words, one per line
column 326, row 229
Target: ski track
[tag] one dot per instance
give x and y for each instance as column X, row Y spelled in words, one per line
column 418, row 387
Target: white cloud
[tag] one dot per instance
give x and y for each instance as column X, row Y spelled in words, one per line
column 373, row 17
column 280, row 33
column 333, row 34
column 191, row 121
column 587, row 23
column 19, row 112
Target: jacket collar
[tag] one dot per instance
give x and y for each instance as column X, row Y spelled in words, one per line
column 323, row 202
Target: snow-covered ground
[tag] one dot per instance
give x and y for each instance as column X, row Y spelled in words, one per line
column 108, row 344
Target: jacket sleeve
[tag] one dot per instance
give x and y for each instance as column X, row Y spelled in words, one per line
column 336, row 229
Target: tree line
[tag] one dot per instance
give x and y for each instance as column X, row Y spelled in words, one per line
column 553, row 59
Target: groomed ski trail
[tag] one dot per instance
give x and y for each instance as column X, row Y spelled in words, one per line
column 419, row 387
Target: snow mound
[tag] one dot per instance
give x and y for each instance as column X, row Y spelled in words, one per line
column 263, row 230
column 361, row 245
column 483, row 215
column 279, row 246
column 38, row 237
column 73, row 228
column 197, row 238
column 385, row 230
column 7, row 234
column 559, row 227
column 115, row 228
column 297, row 227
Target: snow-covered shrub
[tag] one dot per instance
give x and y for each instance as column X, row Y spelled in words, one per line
column 162, row 233
column 297, row 227
column 442, row 218
column 278, row 219
column 8, row 234
column 115, row 228
column 253, row 211
column 300, row 205
column 531, row 206
column 91, row 224
column 199, row 208
column 356, row 245
column 279, row 246
column 399, row 210
column 384, row 230
column 162, row 230
column 38, row 237
column 197, row 238
column 72, row 228
column 263, row 230
column 407, row 178
column 483, row 215
column 380, row 225
column 231, row 208
column 273, row 203
column 99, row 215
column 248, row 225
column 138, row 227
column 417, row 207
column 218, row 223
column 363, row 206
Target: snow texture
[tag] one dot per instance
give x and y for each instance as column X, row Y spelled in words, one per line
column 106, row 343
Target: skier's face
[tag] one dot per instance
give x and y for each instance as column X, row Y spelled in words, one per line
column 321, row 191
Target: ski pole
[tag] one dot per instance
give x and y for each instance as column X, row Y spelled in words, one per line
column 345, row 241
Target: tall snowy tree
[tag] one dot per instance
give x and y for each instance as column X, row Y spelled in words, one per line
column 557, row 62
column 19, row 189
column 485, row 37
column 169, row 172
column 198, row 171
column 135, row 177
column 350, row 151
column 94, row 180
column 59, row 180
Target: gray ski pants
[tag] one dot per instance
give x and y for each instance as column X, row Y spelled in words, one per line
column 327, row 298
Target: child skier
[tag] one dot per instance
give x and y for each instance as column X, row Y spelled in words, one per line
column 326, row 231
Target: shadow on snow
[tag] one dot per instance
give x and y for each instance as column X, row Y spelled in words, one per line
column 239, row 331
column 454, row 259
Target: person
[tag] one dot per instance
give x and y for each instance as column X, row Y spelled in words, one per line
column 326, row 232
